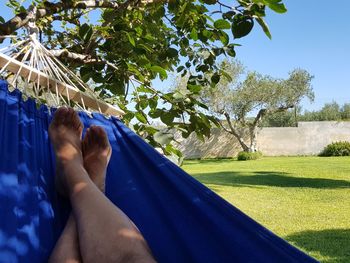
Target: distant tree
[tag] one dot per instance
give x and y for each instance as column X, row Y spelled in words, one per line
column 310, row 116
column 330, row 112
column 345, row 111
column 288, row 118
column 242, row 105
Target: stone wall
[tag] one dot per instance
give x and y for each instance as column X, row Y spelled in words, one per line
column 309, row 138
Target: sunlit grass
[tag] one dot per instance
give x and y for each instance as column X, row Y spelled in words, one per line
column 305, row 200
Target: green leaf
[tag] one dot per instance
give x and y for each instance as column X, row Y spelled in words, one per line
column 277, row 7
column 140, row 117
column 145, row 89
column 153, row 102
column 194, row 34
column 85, row 73
column 209, row 2
column 202, row 105
column 163, row 138
column 222, row 24
column 200, row 136
column 22, row 9
column 241, row 26
column 167, row 117
column 97, row 77
column 215, row 121
column 131, row 39
column 207, row 33
column 264, row 26
column 162, row 73
column 215, row 78
column 143, row 104
column 156, row 113
column 85, row 32
column 231, row 51
column 144, row 62
column 181, row 68
column 170, row 148
column 203, row 68
column 194, row 88
column 145, row 47
column 224, row 38
column 108, row 15
column 172, row 53
column 2, row 20
column 228, row 15
column 178, row 96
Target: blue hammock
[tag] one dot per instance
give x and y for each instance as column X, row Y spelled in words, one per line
column 182, row 220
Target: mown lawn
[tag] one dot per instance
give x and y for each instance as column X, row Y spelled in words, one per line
column 305, row 200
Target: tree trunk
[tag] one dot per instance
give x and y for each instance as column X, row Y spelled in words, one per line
column 253, row 136
column 234, row 132
column 241, row 142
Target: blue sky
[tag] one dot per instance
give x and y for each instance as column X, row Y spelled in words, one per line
column 313, row 35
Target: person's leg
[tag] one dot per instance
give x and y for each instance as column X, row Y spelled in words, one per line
column 106, row 234
column 67, row 247
column 96, row 155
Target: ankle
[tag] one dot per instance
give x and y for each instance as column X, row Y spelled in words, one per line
column 76, row 177
column 69, row 159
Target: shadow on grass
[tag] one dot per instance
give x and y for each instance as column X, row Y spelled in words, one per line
column 334, row 244
column 267, row 178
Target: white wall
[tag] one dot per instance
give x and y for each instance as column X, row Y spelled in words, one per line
column 309, row 138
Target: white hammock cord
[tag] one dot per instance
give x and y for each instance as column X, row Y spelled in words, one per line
column 46, row 70
column 23, row 60
column 57, row 78
column 12, row 58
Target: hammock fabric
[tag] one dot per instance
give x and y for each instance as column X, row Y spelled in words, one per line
column 182, row 220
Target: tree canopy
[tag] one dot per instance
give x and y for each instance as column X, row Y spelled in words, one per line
column 134, row 42
column 241, row 105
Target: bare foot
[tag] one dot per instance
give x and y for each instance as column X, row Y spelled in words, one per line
column 65, row 133
column 96, row 153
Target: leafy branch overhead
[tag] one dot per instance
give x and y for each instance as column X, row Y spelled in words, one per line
column 126, row 45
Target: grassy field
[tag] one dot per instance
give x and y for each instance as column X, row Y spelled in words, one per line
column 305, row 200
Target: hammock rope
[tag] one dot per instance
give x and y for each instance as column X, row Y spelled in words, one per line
column 43, row 75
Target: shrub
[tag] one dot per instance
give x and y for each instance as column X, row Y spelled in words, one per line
column 336, row 149
column 245, row 156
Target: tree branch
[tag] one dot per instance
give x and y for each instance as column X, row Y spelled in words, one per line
column 84, row 59
column 73, row 20
column 263, row 112
column 79, row 58
column 49, row 8
column 223, row 127
column 259, row 116
column 233, row 131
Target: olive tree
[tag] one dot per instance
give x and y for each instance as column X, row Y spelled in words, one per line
column 242, row 102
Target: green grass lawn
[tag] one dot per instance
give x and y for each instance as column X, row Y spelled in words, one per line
column 305, row 200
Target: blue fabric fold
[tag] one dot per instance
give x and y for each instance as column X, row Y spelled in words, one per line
column 181, row 219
